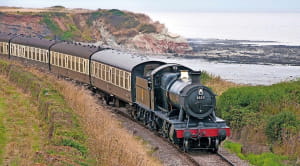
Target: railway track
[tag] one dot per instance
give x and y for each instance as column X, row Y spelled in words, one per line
column 202, row 158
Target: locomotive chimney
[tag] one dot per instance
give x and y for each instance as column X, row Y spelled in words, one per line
column 195, row 75
column 184, row 75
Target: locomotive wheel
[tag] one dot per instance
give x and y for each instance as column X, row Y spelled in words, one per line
column 216, row 146
column 186, row 145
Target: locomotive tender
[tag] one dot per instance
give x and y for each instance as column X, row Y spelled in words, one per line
column 168, row 98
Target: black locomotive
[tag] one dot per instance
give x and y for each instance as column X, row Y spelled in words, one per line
column 168, row 98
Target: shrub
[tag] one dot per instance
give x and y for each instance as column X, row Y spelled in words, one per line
column 94, row 16
column 147, row 28
column 116, row 12
column 51, row 25
column 68, row 142
column 205, row 77
column 277, row 124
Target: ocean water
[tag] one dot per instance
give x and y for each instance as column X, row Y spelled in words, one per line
column 252, row 74
column 283, row 28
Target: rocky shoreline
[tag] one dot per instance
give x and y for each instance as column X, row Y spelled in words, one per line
column 244, row 51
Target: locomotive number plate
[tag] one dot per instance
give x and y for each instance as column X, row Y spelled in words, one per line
column 200, row 97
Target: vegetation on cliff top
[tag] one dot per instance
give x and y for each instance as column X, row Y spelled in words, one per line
column 118, row 23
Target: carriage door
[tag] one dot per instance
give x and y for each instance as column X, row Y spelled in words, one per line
column 142, row 92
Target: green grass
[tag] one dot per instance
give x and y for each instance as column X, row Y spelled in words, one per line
column 264, row 159
column 60, row 124
column 2, row 129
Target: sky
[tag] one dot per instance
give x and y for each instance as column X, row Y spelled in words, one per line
column 167, row 5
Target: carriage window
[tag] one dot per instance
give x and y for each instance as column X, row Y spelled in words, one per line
column 45, row 55
column 11, row 49
column 129, row 82
column 99, row 70
column 69, row 62
column 86, row 66
column 29, row 52
column 40, row 55
column 57, row 59
column 93, row 71
column 103, row 72
column 113, row 75
column 7, row 48
column 26, row 53
column 17, row 50
column 52, row 58
column 1, row 48
column 121, row 78
column 37, row 54
column 80, row 65
column 33, row 53
column 126, row 80
column 73, row 63
column 117, row 77
column 107, row 77
column 21, row 51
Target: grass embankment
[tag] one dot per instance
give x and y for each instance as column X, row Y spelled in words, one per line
column 40, row 128
column 109, row 142
column 20, row 131
column 103, row 142
column 264, row 116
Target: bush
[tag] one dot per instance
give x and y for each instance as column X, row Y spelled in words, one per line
column 68, row 142
column 277, row 124
column 256, row 97
column 94, row 16
column 116, row 12
column 147, row 28
column 205, row 77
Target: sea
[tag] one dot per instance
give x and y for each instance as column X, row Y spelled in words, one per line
column 263, row 28
column 280, row 27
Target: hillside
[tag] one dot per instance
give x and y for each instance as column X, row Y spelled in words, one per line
column 115, row 28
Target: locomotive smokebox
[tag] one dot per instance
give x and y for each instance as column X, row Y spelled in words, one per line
column 195, row 76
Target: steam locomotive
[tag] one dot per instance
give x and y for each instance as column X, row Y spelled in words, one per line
column 168, row 98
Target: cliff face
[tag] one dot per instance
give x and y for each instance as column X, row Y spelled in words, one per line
column 118, row 29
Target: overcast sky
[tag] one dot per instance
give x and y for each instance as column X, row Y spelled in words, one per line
column 167, row 5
